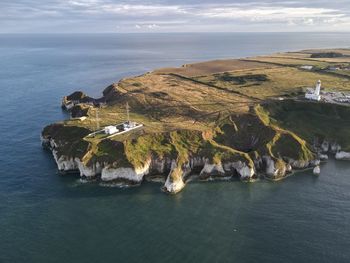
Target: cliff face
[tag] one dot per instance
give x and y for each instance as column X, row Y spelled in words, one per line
column 247, row 146
column 176, row 171
column 324, row 126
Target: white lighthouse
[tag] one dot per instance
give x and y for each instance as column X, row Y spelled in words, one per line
column 318, row 88
column 314, row 94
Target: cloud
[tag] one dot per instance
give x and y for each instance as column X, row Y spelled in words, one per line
column 175, row 15
column 152, row 26
column 147, row 26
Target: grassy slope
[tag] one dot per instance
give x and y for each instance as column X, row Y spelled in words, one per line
column 311, row 120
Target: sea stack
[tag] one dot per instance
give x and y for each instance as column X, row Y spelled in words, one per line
column 317, row 170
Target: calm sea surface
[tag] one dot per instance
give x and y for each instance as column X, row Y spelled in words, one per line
column 45, row 217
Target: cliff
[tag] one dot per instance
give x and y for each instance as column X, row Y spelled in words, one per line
column 207, row 121
column 246, row 146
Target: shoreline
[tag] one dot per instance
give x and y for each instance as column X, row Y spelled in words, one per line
column 215, row 117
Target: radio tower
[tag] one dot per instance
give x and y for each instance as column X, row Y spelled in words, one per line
column 127, row 112
column 97, row 121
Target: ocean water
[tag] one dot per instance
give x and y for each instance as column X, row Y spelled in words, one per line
column 45, row 217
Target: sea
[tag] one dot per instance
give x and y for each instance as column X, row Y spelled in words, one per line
column 46, row 217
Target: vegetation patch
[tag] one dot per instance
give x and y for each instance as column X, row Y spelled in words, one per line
column 68, row 138
column 327, row 55
column 159, row 94
column 140, row 149
column 313, row 121
column 240, row 80
column 112, row 152
column 62, row 133
column 77, row 96
column 245, row 133
column 289, row 146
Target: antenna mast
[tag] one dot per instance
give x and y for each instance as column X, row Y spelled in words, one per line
column 97, row 121
column 127, row 112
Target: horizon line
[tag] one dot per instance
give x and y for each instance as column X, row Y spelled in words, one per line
column 175, row 32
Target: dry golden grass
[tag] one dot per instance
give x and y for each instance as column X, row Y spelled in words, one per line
column 290, row 61
column 195, row 97
column 298, row 55
column 211, row 67
column 168, row 102
column 281, row 81
column 306, row 55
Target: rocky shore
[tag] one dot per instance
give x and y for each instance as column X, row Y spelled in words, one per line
column 176, row 176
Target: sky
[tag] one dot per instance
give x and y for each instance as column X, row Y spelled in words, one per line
column 102, row 16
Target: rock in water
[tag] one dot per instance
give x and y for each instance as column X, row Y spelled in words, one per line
column 341, row 155
column 317, row 170
column 323, row 157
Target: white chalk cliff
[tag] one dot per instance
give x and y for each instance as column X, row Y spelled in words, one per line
column 177, row 174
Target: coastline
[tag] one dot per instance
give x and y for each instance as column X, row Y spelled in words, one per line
column 239, row 138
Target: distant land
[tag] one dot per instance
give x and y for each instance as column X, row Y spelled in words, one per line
column 217, row 120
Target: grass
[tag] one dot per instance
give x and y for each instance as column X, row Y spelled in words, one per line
column 242, row 79
column 326, row 55
column 221, row 110
column 313, row 120
column 69, row 139
column 290, row 61
column 278, row 82
column 139, row 150
column 285, row 143
column 212, row 67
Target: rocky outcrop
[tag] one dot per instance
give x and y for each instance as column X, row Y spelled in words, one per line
column 335, row 147
column 65, row 163
column 316, row 170
column 78, row 97
column 177, row 174
column 329, row 147
column 323, row 157
column 89, row 171
column 244, row 171
column 74, row 153
column 332, row 148
column 298, row 164
column 174, row 184
column 211, row 170
column 275, row 169
column 325, row 146
column 175, row 180
column 109, row 173
column 341, row 155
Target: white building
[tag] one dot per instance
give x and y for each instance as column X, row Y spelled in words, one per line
column 314, row 94
column 129, row 125
column 307, row 67
column 110, row 130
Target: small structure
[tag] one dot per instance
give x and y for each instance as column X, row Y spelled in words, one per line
column 314, row 94
column 129, row 125
column 110, row 130
column 307, row 67
column 113, row 130
column 333, row 68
